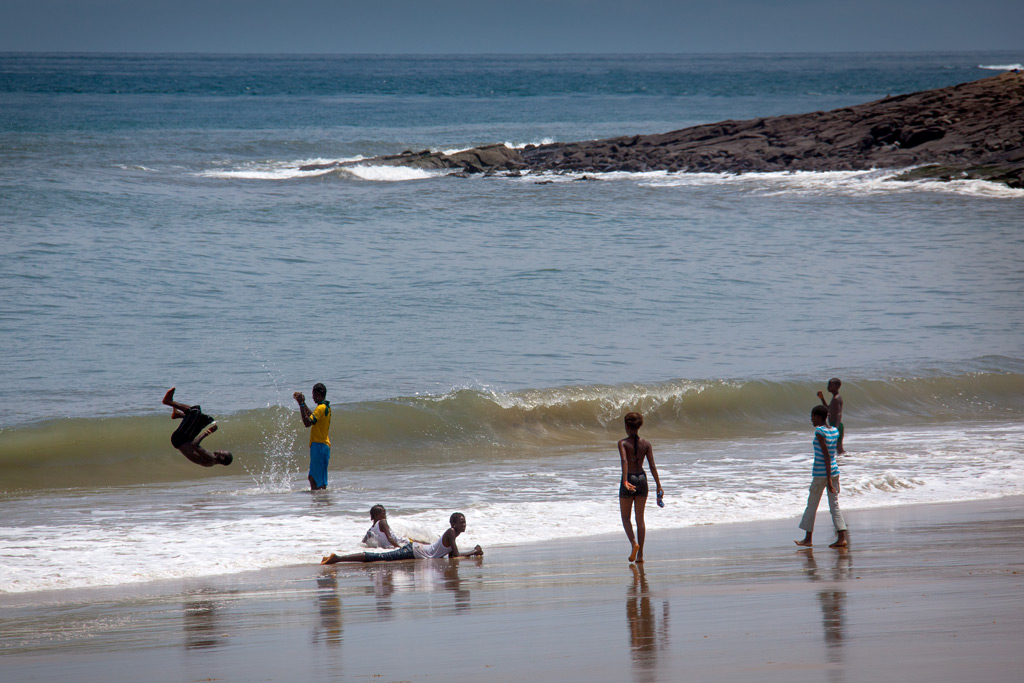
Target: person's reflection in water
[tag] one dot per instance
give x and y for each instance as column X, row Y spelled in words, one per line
column 832, row 600
column 646, row 636
column 321, row 500
column 201, row 622
column 453, row 583
column 387, row 578
column 329, row 603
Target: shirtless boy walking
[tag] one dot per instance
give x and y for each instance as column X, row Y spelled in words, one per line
column 835, row 410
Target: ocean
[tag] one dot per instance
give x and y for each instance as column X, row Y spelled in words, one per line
column 480, row 338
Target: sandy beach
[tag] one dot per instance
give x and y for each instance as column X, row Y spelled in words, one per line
column 925, row 593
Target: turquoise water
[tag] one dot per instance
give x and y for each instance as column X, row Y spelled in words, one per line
column 157, row 230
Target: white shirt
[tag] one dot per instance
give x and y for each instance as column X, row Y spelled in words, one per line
column 435, row 549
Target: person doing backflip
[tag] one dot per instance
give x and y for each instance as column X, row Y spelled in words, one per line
column 195, row 426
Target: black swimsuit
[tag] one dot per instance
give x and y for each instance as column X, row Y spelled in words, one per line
column 638, row 478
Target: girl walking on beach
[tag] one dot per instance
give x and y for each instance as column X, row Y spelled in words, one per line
column 824, row 477
column 633, row 487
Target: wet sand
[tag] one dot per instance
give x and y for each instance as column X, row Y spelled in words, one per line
column 925, row 593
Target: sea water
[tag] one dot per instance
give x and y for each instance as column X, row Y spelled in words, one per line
column 480, row 338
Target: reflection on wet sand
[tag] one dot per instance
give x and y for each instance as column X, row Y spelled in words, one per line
column 453, row 583
column 329, row 603
column 646, row 636
column 418, row 576
column 832, row 601
column 200, row 621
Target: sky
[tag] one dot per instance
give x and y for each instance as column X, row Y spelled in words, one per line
column 509, row 26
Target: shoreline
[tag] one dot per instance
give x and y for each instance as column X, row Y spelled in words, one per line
column 925, row 591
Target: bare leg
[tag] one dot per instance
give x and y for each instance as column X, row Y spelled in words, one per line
column 641, row 527
column 312, row 484
column 806, row 543
column 625, row 507
column 178, row 407
column 334, row 559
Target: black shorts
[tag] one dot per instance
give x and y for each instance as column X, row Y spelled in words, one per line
column 637, row 479
column 194, row 422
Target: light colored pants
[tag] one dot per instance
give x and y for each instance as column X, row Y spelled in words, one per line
column 818, row 484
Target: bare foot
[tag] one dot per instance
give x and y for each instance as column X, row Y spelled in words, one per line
column 839, row 544
column 636, row 549
column 212, row 428
column 169, row 397
column 639, row 559
column 803, row 544
column 329, row 559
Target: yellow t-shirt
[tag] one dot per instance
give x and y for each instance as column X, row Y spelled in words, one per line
column 321, row 419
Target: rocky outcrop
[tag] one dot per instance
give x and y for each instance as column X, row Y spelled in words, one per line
column 477, row 160
column 973, row 124
column 977, row 125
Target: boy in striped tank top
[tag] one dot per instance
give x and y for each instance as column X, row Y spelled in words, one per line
column 825, row 477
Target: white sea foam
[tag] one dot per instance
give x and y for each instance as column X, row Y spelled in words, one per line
column 1001, row 67
column 822, row 183
column 390, row 173
column 507, row 143
column 795, row 183
column 274, row 170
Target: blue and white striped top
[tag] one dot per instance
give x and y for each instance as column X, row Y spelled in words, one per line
column 831, row 435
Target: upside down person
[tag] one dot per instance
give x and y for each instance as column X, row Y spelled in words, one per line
column 195, row 426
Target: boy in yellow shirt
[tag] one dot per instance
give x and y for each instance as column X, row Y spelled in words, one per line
column 319, row 420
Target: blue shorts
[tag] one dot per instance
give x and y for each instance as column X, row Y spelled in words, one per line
column 319, row 456
column 403, row 553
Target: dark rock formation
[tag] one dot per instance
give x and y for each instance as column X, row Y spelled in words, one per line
column 477, row 160
column 977, row 125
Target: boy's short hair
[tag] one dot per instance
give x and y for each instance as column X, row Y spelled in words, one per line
column 454, row 516
column 634, row 420
column 319, row 388
column 835, row 380
column 376, row 511
column 820, row 410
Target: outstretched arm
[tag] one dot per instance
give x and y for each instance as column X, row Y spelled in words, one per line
column 449, row 542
